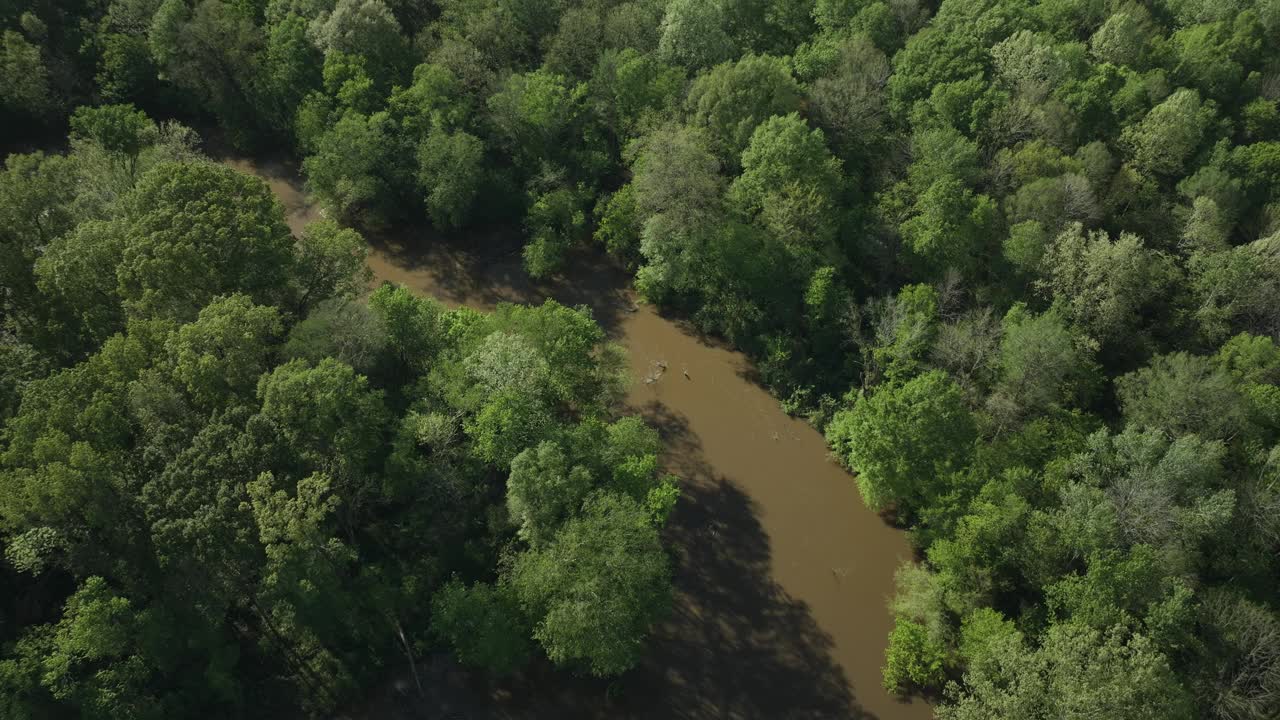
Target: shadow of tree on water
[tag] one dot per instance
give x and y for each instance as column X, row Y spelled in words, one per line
column 736, row 645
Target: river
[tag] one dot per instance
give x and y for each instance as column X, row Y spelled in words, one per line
column 782, row 575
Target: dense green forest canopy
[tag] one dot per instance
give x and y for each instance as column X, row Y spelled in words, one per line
column 1019, row 260
column 232, row 486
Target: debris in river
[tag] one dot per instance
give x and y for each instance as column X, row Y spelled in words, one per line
column 656, row 369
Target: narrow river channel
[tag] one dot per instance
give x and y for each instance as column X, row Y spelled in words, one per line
column 782, row 575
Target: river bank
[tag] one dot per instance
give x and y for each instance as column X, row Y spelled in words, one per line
column 781, row 573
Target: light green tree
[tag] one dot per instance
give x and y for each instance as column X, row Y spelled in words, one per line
column 598, row 587
column 904, row 439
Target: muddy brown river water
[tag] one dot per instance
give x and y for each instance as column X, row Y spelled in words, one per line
column 782, row 575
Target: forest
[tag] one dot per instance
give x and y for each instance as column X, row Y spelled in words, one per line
column 1019, row 261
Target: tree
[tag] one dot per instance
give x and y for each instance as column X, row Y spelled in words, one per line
column 211, row 50
column 543, row 491
column 328, row 417
column 678, row 195
column 902, row 439
column 732, row 99
column 289, row 73
column 1128, row 589
column 694, row 34
column 576, row 44
column 586, row 370
column 847, row 101
column 217, row 358
column 24, row 78
column 1204, row 59
column 1140, row 487
column 904, row 329
column 618, row 225
column 634, row 91
column 1042, row 366
column 531, row 113
column 109, row 172
column 196, row 231
column 912, row 658
column 36, row 195
column 330, row 263
column 120, row 130
column 94, row 662
column 342, row 329
column 1239, row 674
column 355, row 168
column 790, row 184
column 507, row 390
column 412, row 325
column 1182, row 393
column 1078, row 672
column 484, row 624
column 369, row 29
column 451, row 171
column 596, row 589
column 1123, row 39
column 1165, row 139
column 1237, row 289
column 435, row 99
column 1107, row 288
column 980, row 551
column 556, row 222
column 302, row 590
column 950, row 227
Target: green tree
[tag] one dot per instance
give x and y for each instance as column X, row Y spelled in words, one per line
column 633, row 90
column 484, row 624
column 36, row 196
column 412, row 326
column 732, row 99
column 211, row 49
column 1236, row 288
column 1077, row 671
column 1042, row 366
column 1108, row 289
column 369, row 29
column 1182, row 393
column 451, row 171
column 790, row 184
column 290, row 63
column 695, row 34
column 356, row 169
column 218, row 357
column 95, row 662
column 543, row 491
column 951, row 227
column 25, row 88
column 71, row 271
column 531, row 112
column 199, row 230
column 618, row 225
column 1166, row 138
column 121, row 130
column 903, row 440
column 329, row 419
column 913, row 658
column 330, row 263
column 598, row 587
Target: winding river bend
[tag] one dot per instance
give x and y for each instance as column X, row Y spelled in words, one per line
column 781, row 573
